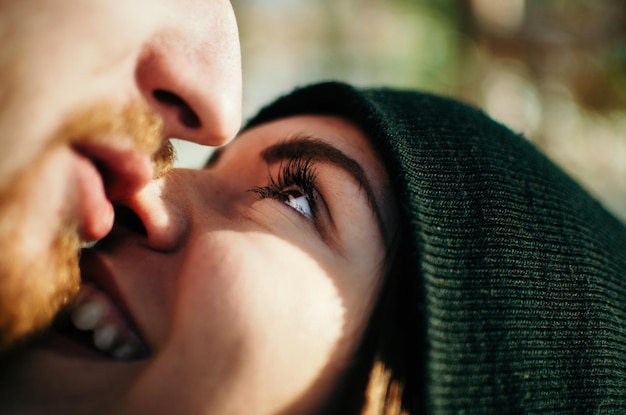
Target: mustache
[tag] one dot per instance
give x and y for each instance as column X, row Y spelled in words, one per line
column 34, row 286
column 133, row 124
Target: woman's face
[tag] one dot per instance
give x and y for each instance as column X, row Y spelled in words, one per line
column 250, row 283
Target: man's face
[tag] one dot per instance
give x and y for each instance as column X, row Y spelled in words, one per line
column 76, row 133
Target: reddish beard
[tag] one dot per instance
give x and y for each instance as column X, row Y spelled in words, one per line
column 35, row 285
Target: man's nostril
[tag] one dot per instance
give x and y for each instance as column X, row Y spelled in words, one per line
column 186, row 115
column 127, row 218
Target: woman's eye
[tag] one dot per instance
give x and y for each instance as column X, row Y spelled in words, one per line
column 293, row 186
column 299, row 202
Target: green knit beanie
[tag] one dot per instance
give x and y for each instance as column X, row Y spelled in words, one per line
column 513, row 278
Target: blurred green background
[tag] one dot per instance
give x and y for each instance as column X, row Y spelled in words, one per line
column 554, row 70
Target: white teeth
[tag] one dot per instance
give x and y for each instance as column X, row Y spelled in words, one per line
column 93, row 310
column 87, row 315
column 88, row 244
column 104, row 337
column 125, row 351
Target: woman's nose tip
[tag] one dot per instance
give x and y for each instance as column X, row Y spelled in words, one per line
column 163, row 223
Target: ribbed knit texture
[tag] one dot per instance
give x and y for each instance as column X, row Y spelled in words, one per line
column 518, row 275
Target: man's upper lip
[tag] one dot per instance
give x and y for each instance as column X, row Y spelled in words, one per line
column 124, row 169
column 95, row 270
column 107, row 173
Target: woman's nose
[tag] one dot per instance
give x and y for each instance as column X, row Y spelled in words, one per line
column 172, row 209
column 162, row 216
column 191, row 75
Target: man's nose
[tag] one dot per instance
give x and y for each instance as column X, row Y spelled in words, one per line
column 191, row 75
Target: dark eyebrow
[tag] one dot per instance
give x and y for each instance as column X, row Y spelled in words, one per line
column 306, row 147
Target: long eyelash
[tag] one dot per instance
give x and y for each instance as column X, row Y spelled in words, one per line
column 296, row 173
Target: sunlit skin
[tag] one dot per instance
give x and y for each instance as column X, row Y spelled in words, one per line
column 62, row 59
column 246, row 304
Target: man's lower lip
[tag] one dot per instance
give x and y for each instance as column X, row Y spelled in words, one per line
column 94, row 210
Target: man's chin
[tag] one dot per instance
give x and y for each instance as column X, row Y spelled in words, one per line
column 33, row 290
